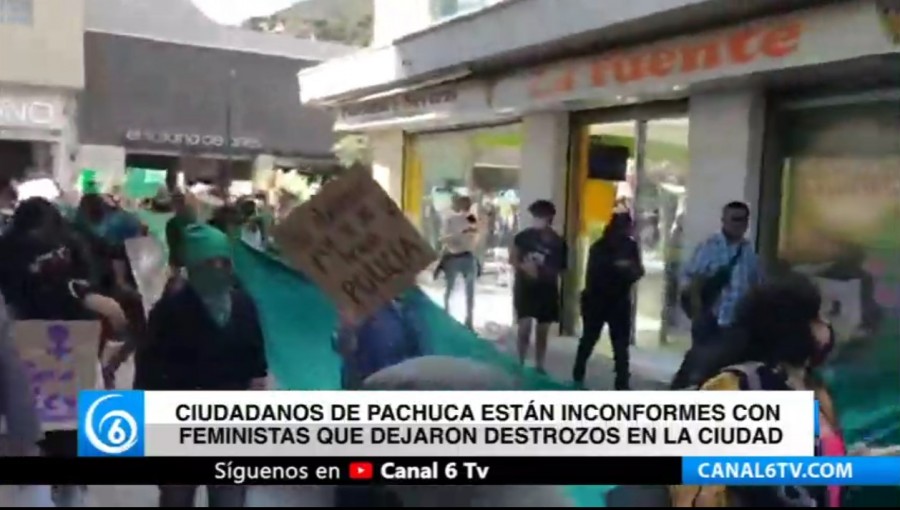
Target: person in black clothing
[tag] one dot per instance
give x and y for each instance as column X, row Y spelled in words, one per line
column 45, row 275
column 614, row 266
column 539, row 257
column 205, row 335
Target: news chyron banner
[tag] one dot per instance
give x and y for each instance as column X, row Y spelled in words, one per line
column 461, row 437
column 427, row 424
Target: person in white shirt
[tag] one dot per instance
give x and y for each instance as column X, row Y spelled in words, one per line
column 459, row 236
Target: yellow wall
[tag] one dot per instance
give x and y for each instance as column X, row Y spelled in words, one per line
column 412, row 181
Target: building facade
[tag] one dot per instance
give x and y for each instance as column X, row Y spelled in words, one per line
column 675, row 108
column 41, row 73
column 168, row 89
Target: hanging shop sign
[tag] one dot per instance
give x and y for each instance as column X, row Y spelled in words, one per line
column 460, row 103
column 407, row 104
column 737, row 48
column 29, row 112
column 189, row 140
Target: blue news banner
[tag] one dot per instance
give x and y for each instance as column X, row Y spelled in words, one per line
column 112, row 450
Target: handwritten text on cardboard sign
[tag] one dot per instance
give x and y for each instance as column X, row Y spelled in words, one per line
column 355, row 243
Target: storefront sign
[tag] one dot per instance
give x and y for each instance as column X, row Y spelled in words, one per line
column 400, row 105
column 189, row 139
column 354, row 242
column 25, row 112
column 736, row 48
column 659, row 70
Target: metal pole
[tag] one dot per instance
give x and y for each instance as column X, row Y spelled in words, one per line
column 229, row 147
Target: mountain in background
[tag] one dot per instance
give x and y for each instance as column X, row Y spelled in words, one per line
column 343, row 21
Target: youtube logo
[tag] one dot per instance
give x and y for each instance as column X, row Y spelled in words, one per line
column 361, row 471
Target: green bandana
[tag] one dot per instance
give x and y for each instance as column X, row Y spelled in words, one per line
column 203, row 243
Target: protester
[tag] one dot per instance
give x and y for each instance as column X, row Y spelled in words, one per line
column 722, row 269
column 391, row 335
column 228, row 219
column 459, row 237
column 539, row 256
column 613, row 267
column 205, row 335
column 106, row 228
column 784, row 342
column 45, row 275
column 253, row 228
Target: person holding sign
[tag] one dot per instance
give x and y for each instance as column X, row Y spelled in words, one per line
column 538, row 255
column 205, row 335
column 390, row 336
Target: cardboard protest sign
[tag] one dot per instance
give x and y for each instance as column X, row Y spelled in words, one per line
column 353, row 241
column 150, row 268
column 60, row 359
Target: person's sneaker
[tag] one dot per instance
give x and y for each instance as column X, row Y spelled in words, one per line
column 540, row 370
column 578, row 385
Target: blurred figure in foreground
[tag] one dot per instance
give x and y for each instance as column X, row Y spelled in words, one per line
column 784, row 341
column 45, row 275
column 205, row 335
column 439, row 373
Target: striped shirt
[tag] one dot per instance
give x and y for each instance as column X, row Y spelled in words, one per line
column 716, row 253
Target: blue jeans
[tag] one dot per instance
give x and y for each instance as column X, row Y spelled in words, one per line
column 464, row 265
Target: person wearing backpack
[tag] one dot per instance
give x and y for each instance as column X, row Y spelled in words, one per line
column 785, row 341
column 721, row 271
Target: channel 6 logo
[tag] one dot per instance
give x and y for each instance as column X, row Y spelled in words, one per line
column 110, row 423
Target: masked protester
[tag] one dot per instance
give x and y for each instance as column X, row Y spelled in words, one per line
column 205, row 336
column 785, row 341
column 613, row 267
